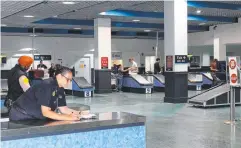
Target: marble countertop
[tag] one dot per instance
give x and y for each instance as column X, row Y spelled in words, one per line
column 34, row 128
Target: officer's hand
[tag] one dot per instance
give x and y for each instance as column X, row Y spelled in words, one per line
column 85, row 112
column 74, row 117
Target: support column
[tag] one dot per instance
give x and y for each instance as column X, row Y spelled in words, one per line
column 205, row 59
column 175, row 43
column 102, row 39
column 219, row 49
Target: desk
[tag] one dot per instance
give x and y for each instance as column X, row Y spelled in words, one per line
column 108, row 130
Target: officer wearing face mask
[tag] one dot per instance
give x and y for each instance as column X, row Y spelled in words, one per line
column 18, row 82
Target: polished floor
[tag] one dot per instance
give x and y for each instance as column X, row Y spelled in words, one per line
column 171, row 125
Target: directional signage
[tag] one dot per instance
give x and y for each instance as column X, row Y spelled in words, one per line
column 181, row 59
column 42, row 57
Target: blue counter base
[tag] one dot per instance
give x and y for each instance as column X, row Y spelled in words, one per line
column 159, row 89
column 78, row 93
column 128, row 137
column 135, row 90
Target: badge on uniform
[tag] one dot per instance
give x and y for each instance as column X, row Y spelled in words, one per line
column 53, row 94
column 60, row 97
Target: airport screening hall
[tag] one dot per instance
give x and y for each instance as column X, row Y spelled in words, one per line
column 120, row 74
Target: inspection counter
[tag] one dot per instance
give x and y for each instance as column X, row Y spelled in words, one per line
column 112, row 130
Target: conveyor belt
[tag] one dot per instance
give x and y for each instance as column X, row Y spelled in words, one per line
column 160, row 77
column 82, row 82
column 140, row 79
column 209, row 94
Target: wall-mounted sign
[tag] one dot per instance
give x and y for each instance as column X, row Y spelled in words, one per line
column 104, row 62
column 181, row 59
column 42, row 57
column 234, row 74
column 169, row 63
column 116, row 55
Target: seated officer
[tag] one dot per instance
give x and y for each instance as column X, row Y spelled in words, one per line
column 18, row 82
column 42, row 100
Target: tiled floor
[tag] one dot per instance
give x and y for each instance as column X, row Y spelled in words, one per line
column 172, row 125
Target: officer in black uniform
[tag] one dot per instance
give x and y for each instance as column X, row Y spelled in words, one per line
column 18, row 81
column 157, row 67
column 42, row 100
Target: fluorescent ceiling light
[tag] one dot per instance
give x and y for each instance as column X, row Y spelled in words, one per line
column 198, row 11
column 102, row 13
column 136, row 20
column 3, row 25
column 77, row 28
column 202, row 23
column 28, row 16
column 27, row 49
column 19, row 55
column 92, row 49
column 68, row 3
column 55, row 16
column 147, row 30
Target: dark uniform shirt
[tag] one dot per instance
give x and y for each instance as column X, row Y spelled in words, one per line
column 157, row 68
column 42, row 66
column 14, row 88
column 28, row 106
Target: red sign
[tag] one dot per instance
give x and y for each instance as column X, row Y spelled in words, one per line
column 234, row 78
column 232, row 64
column 169, row 63
column 104, row 62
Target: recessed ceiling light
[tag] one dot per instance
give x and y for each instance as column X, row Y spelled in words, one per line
column 28, row 16
column 147, row 30
column 77, row 28
column 3, row 25
column 202, row 23
column 198, row 11
column 55, row 16
column 92, row 49
column 27, row 49
column 68, row 3
column 136, row 20
column 102, row 13
column 33, row 35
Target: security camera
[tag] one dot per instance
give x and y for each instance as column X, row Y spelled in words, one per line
column 214, row 27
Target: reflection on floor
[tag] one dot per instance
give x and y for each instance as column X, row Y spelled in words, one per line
column 171, row 125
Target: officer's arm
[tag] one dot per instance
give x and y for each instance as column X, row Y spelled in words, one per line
column 48, row 113
column 24, row 83
column 68, row 111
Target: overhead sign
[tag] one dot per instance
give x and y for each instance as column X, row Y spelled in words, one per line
column 169, row 63
column 181, row 59
column 234, row 74
column 42, row 57
column 104, row 62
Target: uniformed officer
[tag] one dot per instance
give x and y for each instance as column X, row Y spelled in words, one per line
column 18, row 81
column 42, row 100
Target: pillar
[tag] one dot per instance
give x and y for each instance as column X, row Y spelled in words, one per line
column 102, row 39
column 205, row 59
column 175, row 43
column 219, row 49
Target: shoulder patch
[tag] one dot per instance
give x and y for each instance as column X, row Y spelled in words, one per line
column 25, row 81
